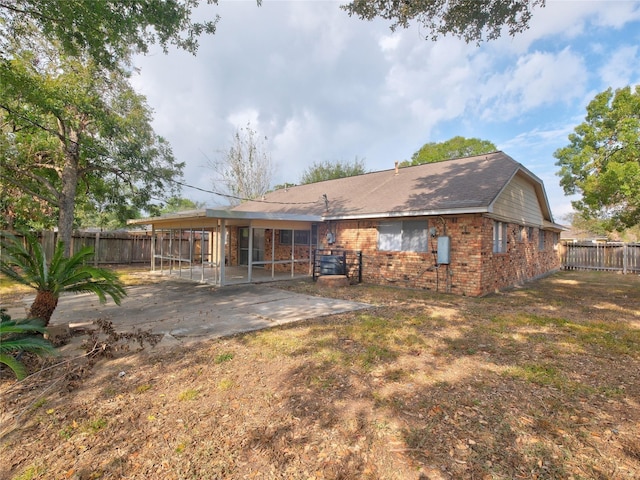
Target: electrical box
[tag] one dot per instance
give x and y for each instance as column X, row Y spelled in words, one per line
column 444, row 250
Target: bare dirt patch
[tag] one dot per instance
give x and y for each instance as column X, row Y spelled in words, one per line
column 538, row 382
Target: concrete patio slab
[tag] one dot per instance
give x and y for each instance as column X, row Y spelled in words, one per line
column 185, row 311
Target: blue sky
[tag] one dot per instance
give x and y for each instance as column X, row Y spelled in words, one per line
column 323, row 86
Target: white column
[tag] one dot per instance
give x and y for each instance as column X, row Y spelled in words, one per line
column 223, row 240
column 250, row 259
column 153, row 247
column 273, row 253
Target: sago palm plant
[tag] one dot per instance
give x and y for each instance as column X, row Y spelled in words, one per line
column 18, row 336
column 28, row 266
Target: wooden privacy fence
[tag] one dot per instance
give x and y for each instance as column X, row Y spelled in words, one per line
column 609, row 256
column 109, row 247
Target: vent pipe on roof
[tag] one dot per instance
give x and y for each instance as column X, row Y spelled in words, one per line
column 397, row 165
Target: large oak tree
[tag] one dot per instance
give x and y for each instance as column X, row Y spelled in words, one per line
column 472, row 20
column 107, row 31
column 456, row 147
column 602, row 161
column 321, row 171
column 73, row 132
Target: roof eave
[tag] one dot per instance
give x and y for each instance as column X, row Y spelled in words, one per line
column 416, row 213
column 224, row 215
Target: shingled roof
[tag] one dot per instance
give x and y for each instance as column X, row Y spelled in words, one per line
column 463, row 185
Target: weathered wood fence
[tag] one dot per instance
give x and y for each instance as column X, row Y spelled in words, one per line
column 109, row 247
column 609, row 256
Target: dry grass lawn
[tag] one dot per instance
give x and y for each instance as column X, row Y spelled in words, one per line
column 541, row 382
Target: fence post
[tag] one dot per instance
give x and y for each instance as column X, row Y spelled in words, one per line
column 96, row 250
column 625, row 252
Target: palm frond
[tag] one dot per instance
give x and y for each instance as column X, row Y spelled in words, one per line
column 18, row 368
column 30, row 260
column 8, row 326
column 29, row 266
column 30, row 343
column 18, row 336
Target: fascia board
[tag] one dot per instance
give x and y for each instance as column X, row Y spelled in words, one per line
column 417, row 213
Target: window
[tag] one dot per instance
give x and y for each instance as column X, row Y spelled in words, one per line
column 499, row 237
column 405, row 236
column 301, row 237
column 540, row 239
column 530, row 234
column 519, row 233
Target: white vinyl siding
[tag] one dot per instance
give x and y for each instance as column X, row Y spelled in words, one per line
column 518, row 201
column 403, row 236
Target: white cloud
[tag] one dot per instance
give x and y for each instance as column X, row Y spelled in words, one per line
column 569, row 19
column 328, row 26
column 616, row 14
column 622, row 68
column 538, row 138
column 537, row 79
column 324, row 86
column 389, row 43
column 241, row 118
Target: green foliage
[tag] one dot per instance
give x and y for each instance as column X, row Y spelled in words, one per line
column 96, row 424
column 76, row 142
column 188, row 395
column 321, row 171
column 546, row 375
column 179, row 204
column 470, row 20
column 602, row 161
column 21, row 336
column 108, row 31
column 28, row 265
column 223, row 357
column 281, row 186
column 456, row 147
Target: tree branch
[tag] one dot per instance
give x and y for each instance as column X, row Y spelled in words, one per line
column 25, row 188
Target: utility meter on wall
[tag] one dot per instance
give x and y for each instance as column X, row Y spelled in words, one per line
column 444, row 250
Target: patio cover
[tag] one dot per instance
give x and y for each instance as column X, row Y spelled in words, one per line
column 215, row 222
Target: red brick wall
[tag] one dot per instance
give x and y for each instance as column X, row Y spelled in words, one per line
column 232, row 247
column 474, row 269
column 522, row 261
column 283, row 252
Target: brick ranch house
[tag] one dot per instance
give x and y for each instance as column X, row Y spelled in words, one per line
column 467, row 226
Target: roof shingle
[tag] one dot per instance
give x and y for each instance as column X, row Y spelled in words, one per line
column 470, row 183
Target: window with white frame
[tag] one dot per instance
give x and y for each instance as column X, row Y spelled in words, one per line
column 540, row 239
column 403, row 236
column 301, row 237
column 499, row 237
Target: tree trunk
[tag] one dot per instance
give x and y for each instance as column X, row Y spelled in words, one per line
column 43, row 306
column 67, row 197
